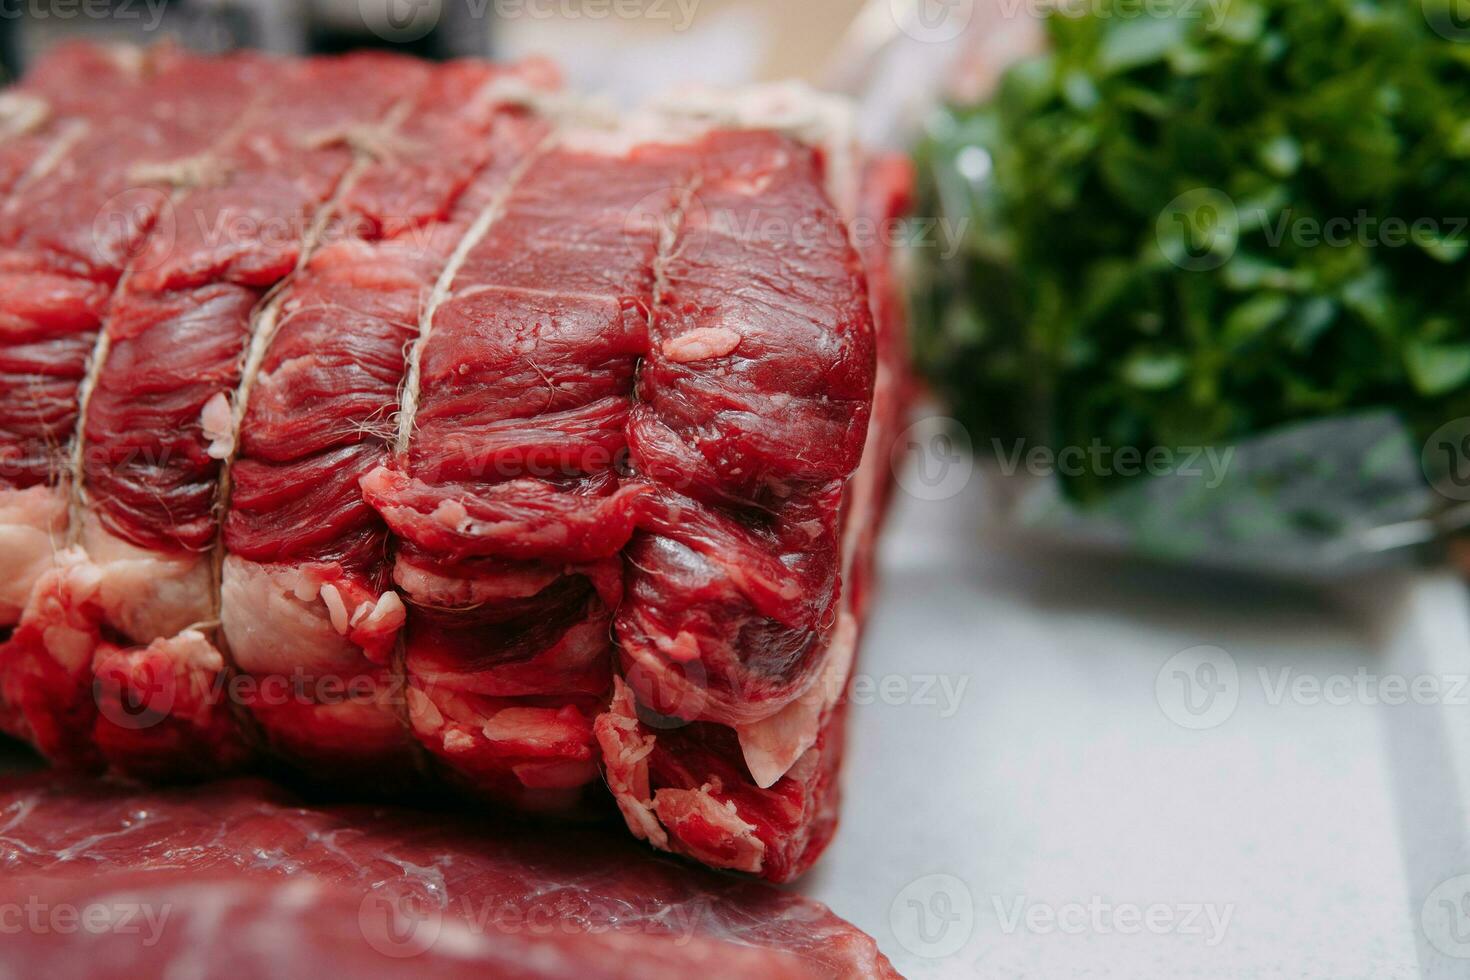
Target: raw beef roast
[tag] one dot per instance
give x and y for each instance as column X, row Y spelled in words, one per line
column 401, row 422
column 213, row 881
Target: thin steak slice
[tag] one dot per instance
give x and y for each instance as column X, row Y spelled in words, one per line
column 238, row 880
column 307, row 604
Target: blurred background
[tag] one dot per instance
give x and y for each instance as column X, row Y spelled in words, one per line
column 627, row 49
column 720, row 39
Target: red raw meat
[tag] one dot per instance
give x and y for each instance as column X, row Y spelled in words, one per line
column 44, row 116
column 433, row 430
column 68, row 229
column 225, row 874
column 306, row 593
column 242, row 209
column 698, row 788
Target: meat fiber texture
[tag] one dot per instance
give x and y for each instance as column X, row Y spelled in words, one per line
column 407, row 424
column 235, row 879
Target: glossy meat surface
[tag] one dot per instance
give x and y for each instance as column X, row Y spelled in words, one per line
column 226, row 875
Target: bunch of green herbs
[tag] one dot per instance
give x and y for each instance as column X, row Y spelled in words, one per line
column 1193, row 222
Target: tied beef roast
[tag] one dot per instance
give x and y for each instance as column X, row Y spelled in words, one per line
column 407, row 423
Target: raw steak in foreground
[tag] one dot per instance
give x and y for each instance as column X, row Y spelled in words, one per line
column 407, row 424
column 238, row 881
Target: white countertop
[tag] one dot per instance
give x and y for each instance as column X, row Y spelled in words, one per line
column 1056, row 821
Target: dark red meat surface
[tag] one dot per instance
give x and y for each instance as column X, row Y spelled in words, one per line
column 237, row 880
